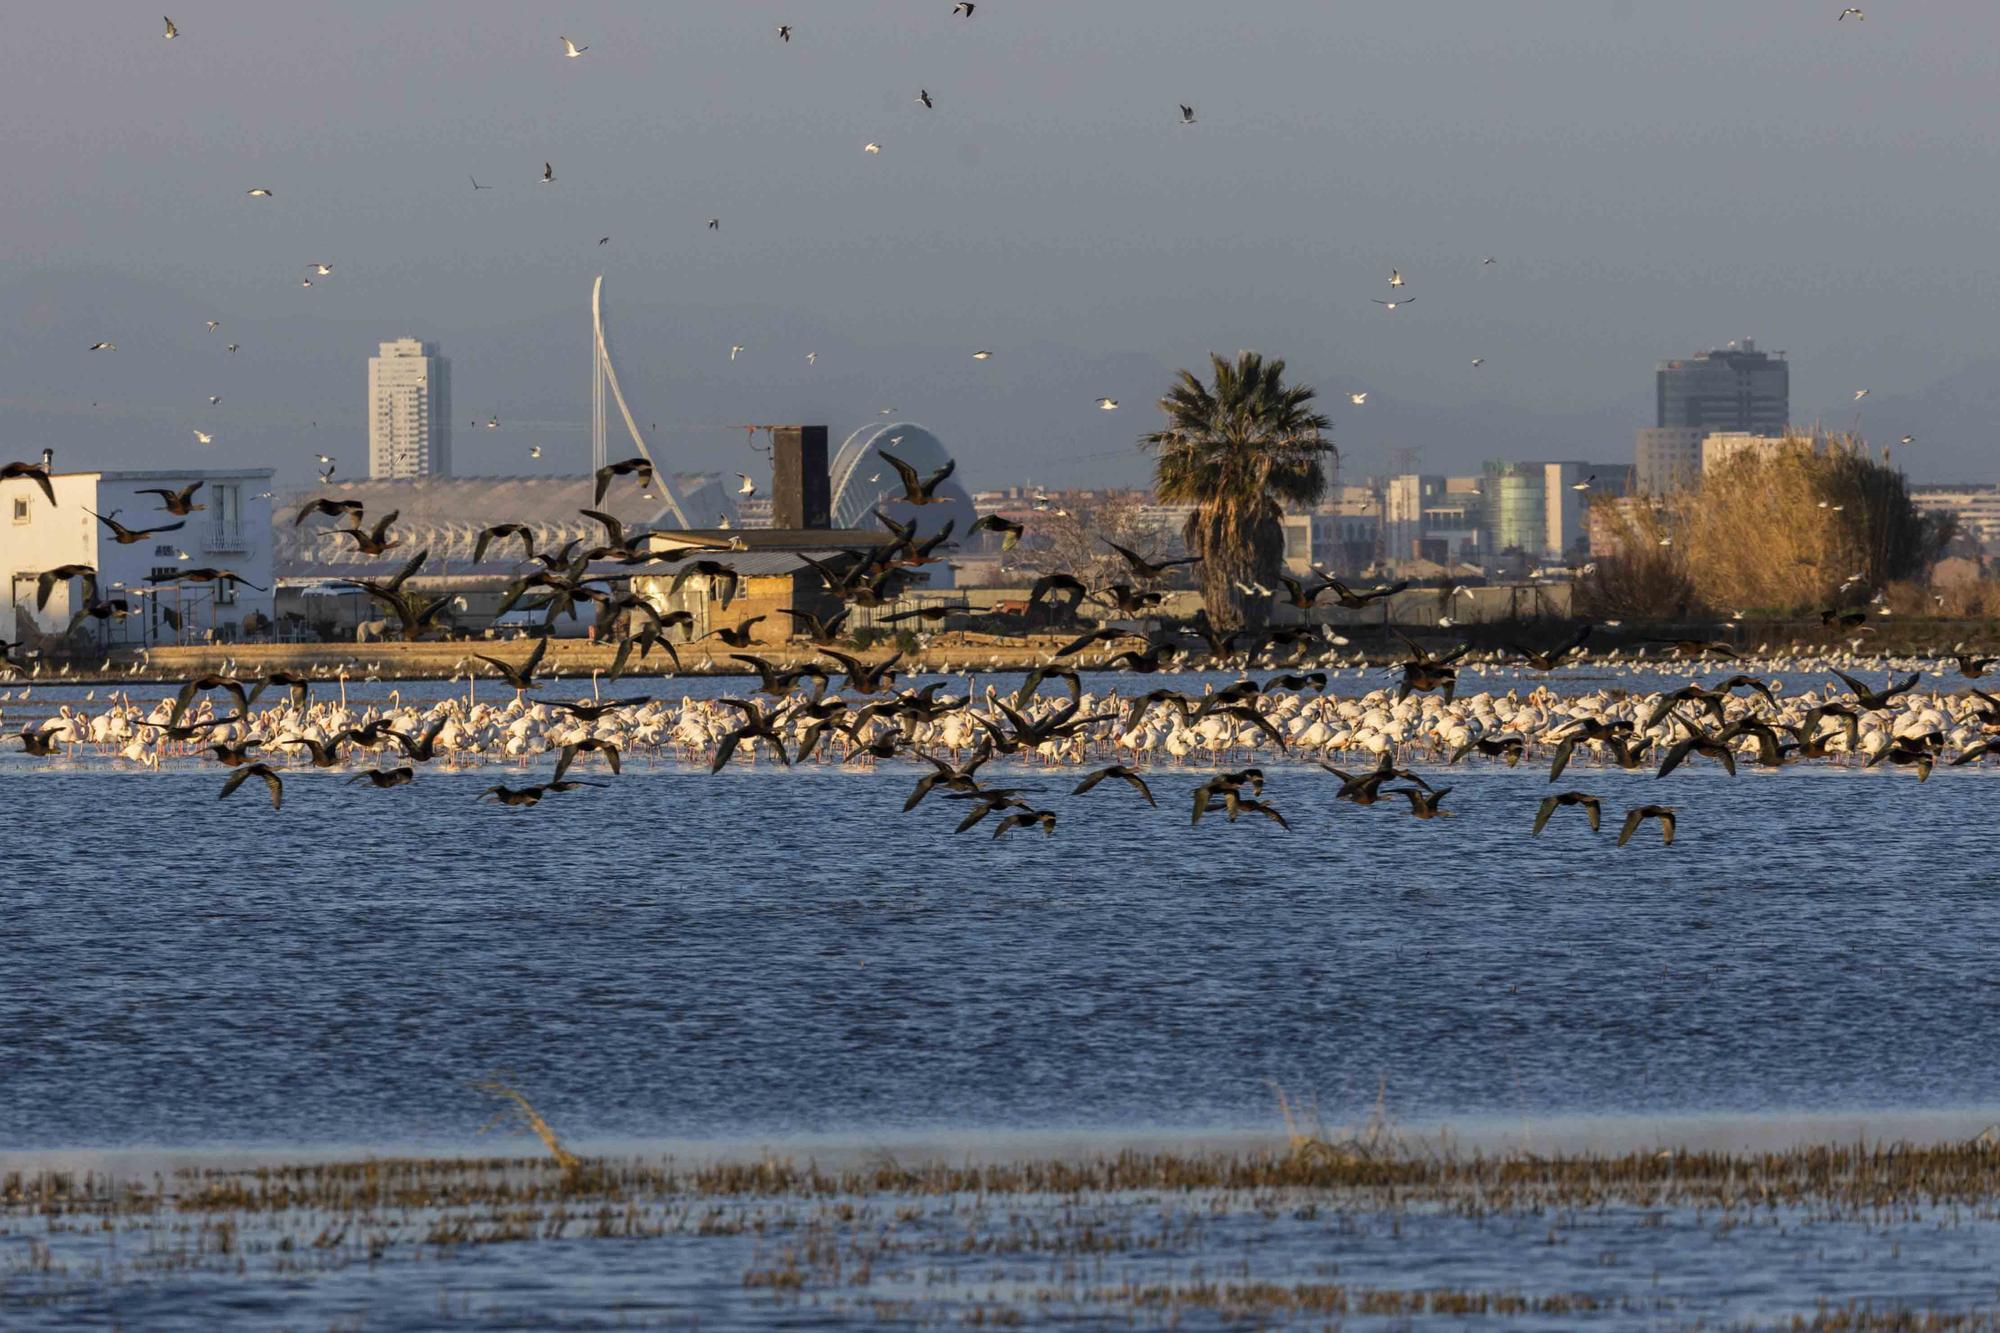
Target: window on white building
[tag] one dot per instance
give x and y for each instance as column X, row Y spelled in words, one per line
column 21, row 510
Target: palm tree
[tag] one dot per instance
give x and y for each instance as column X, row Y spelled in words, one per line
column 1238, row 451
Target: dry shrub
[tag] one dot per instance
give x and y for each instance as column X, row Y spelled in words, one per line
column 1783, row 532
column 1639, row 579
column 1794, row 531
column 1977, row 599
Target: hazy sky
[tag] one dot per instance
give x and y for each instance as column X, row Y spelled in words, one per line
column 1652, row 177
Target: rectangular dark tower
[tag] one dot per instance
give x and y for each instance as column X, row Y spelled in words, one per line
column 801, row 493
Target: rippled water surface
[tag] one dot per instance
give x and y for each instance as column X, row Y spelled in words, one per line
column 782, row 950
column 770, row 952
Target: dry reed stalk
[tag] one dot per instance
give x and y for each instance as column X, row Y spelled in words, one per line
column 522, row 1109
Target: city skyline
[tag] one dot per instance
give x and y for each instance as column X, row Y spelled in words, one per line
column 1106, row 295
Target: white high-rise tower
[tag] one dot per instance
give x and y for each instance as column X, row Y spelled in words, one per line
column 409, row 411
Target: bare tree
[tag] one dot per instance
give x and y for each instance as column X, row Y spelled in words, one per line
column 1078, row 541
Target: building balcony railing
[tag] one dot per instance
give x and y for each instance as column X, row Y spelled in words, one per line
column 228, row 536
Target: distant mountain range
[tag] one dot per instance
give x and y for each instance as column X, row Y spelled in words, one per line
column 297, row 387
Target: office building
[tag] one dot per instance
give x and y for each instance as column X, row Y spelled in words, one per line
column 1729, row 389
column 409, row 411
column 1516, row 509
column 1667, row 458
column 1977, row 509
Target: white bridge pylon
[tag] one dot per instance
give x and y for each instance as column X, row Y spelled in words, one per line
column 602, row 376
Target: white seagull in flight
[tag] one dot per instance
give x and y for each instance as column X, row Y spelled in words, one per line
column 571, row 49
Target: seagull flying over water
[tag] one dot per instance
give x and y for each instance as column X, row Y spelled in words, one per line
column 1107, row 404
column 571, row 49
column 476, row 185
column 214, row 324
column 871, row 148
column 1391, row 305
column 548, row 173
column 104, row 347
column 784, row 32
column 1859, row 394
column 982, row 356
column 1478, row 361
column 715, row 224
column 324, row 270
column 1854, row 11
column 1187, row 114
column 260, row 192
column 924, row 97
column 214, row 398
column 202, row 437
column 1357, row 398
column 734, row 348
column 1396, row 277
column 964, row 8
column 811, row 358
column 172, row 31
column 748, row 487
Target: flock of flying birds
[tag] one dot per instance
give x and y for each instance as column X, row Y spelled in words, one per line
column 867, row 576
column 573, row 50
column 799, row 714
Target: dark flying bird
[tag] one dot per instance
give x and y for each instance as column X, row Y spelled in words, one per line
column 1640, row 814
column 125, row 536
column 1591, row 808
column 264, row 771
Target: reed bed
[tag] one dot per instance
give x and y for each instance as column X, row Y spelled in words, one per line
column 1152, row 1239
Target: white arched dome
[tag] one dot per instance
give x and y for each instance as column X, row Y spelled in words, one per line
column 861, row 480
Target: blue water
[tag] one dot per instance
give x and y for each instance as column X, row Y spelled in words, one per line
column 769, row 951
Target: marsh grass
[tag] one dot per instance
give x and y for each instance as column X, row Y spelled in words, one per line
column 1149, row 1239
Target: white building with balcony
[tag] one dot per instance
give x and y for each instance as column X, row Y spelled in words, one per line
column 231, row 530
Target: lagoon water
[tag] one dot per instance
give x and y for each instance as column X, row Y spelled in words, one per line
column 766, row 953
column 773, row 951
